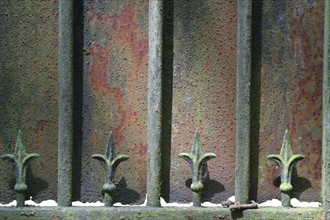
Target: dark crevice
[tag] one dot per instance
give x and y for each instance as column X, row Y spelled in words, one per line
column 256, row 47
column 78, row 43
column 167, row 94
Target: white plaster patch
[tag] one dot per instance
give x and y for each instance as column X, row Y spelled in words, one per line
column 13, row 203
column 163, row 203
column 296, row 203
column 209, row 204
column 78, row 203
column 232, row 199
column 270, row 203
column 48, row 203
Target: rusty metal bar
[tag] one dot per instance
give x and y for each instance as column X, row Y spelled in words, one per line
column 244, row 26
column 65, row 100
column 326, row 112
column 155, row 71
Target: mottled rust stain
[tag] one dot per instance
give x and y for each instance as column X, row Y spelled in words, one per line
column 115, row 95
column 98, row 77
column 291, row 93
column 28, row 88
column 126, row 28
column 204, row 94
column 39, row 126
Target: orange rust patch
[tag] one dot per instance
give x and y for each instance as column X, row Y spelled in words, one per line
column 141, row 149
column 99, row 68
column 94, row 16
column 99, row 81
column 126, row 28
column 40, row 126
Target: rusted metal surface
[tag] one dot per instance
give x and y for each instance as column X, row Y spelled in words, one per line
column 204, row 91
column 115, row 94
column 237, row 206
column 28, row 88
column 291, row 93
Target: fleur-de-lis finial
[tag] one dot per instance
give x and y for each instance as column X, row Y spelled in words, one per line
column 196, row 158
column 111, row 161
column 286, row 161
column 21, row 160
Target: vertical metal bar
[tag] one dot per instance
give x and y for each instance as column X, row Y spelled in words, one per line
column 244, row 13
column 155, row 71
column 326, row 112
column 65, row 100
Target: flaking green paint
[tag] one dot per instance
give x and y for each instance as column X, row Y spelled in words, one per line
column 21, row 160
column 286, row 161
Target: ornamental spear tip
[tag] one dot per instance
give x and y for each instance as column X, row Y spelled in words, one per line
column 196, row 158
column 111, row 161
column 21, row 160
column 286, row 161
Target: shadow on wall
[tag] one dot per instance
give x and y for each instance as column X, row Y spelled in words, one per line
column 125, row 195
column 167, row 90
column 300, row 184
column 255, row 97
column 211, row 187
column 210, row 190
column 35, row 184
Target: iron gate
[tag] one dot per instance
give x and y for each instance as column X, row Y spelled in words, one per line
column 175, row 106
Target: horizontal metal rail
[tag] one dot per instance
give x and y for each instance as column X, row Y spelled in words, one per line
column 169, row 213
